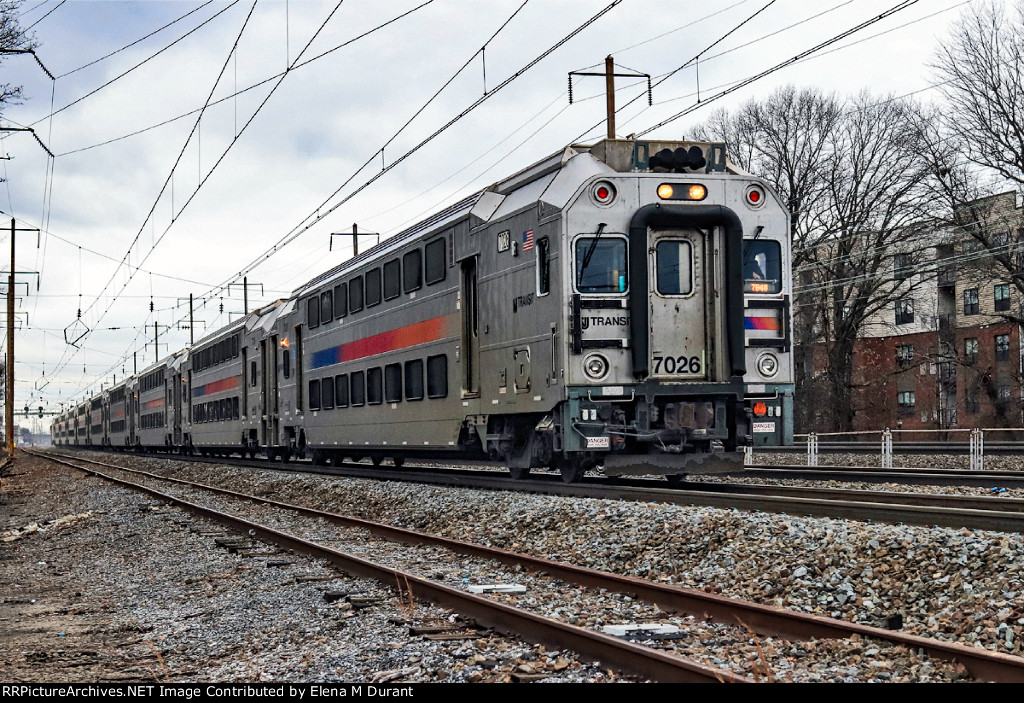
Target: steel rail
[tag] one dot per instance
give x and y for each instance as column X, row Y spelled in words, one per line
column 762, row 619
column 636, row 659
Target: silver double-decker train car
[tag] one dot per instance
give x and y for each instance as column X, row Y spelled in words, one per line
column 623, row 305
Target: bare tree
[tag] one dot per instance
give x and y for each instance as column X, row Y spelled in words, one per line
column 981, row 65
column 12, row 38
column 853, row 177
column 875, row 200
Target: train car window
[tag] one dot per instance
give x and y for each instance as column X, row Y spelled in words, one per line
column 357, row 388
column 313, row 312
column 543, row 266
column 286, row 362
column 414, row 379
column 412, row 270
column 674, row 260
column 601, row 265
column 437, row 376
column 762, row 266
column 234, row 408
column 341, row 390
column 326, row 307
column 314, row 395
column 341, row 300
column 372, row 287
column 355, row 294
column 435, row 261
column 374, row 386
column 393, row 383
column 392, row 279
column 327, row 393
column 252, row 373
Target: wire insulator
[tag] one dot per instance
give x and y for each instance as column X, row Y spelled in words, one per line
column 570, row 89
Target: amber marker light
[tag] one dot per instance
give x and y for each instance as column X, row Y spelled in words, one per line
column 665, row 191
column 698, row 192
column 760, row 409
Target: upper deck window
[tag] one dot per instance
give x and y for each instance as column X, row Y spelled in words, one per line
column 601, row 265
column 762, row 266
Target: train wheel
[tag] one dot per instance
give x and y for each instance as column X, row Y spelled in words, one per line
column 518, row 473
column 376, row 460
column 399, row 462
column 573, row 469
column 286, row 455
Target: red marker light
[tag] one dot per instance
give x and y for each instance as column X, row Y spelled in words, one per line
column 602, row 193
column 754, row 196
column 760, row 409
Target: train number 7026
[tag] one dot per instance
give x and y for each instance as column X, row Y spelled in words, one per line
column 677, row 364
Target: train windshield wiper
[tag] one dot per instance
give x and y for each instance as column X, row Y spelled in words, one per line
column 593, row 247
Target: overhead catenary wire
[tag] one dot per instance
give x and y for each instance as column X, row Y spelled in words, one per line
column 838, row 37
column 320, row 213
column 236, row 93
column 137, row 41
column 138, row 65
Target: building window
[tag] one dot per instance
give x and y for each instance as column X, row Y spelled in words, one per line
column 971, row 350
column 1002, row 347
column 906, row 403
column 1003, row 392
column 905, row 354
column 1002, row 296
column 971, row 301
column 972, row 405
column 901, row 264
column 904, row 311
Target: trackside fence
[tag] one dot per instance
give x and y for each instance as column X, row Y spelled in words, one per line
column 890, row 442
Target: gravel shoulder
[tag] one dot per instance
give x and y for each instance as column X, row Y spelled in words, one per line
column 89, row 595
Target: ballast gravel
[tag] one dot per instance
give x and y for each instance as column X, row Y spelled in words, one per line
column 955, row 585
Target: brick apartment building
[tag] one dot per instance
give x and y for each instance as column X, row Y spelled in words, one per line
column 947, row 353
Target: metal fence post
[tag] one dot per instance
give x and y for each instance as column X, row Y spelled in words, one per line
column 977, row 450
column 812, row 449
column 886, row 448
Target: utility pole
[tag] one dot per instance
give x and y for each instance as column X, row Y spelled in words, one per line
column 355, row 239
column 9, row 394
column 609, row 75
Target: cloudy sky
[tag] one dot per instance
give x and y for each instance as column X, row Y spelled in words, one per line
column 124, row 224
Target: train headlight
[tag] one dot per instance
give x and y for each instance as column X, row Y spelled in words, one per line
column 595, row 366
column 682, row 191
column 767, row 364
column 603, row 193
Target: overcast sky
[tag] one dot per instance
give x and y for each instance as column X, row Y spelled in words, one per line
column 324, row 120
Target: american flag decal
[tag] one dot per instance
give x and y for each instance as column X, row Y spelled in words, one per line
column 528, row 240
